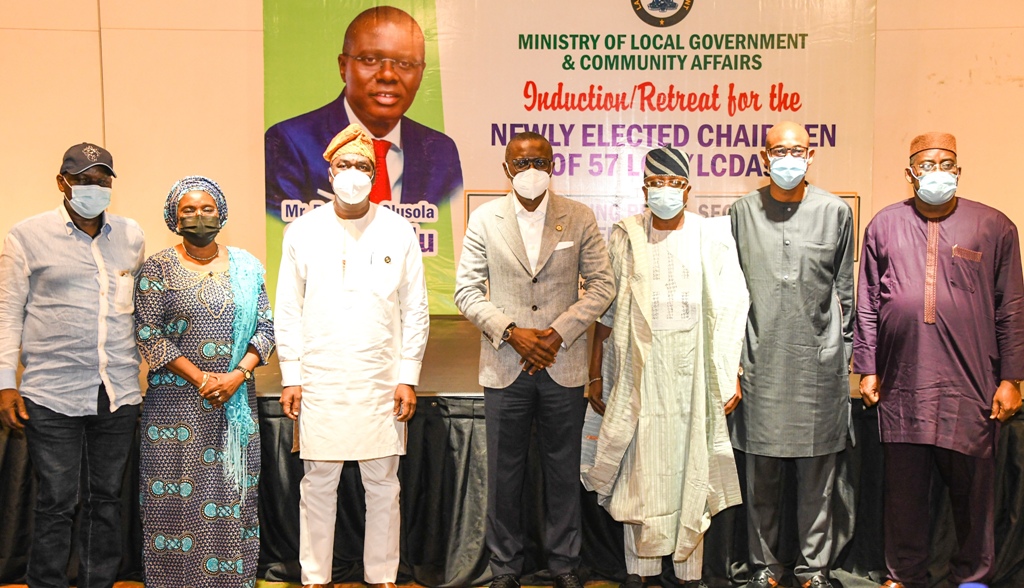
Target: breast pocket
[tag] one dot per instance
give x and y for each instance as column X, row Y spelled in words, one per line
column 384, row 273
column 818, row 264
column 966, row 269
column 123, row 289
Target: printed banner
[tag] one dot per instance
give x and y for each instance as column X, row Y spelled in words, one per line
column 449, row 82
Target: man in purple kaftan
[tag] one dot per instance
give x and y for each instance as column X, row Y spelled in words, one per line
column 940, row 311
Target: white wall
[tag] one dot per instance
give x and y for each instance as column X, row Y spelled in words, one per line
column 170, row 88
column 956, row 67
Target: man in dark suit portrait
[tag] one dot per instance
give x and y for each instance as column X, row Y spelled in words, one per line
column 381, row 64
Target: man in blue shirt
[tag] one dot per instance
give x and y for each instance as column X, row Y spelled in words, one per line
column 66, row 283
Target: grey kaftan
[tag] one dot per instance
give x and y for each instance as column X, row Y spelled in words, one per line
column 798, row 261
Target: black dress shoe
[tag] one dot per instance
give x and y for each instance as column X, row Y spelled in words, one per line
column 693, row 584
column 818, row 581
column 763, row 579
column 633, row 581
column 568, row 580
column 505, row 581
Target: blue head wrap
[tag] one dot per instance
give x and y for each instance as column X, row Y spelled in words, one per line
column 192, row 184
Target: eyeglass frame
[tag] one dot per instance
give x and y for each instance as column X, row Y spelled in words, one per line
column 788, row 151
column 402, row 65
column 539, row 163
column 684, row 182
column 955, row 170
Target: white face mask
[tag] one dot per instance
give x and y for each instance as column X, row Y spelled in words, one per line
column 351, row 186
column 89, row 200
column 665, row 202
column 936, row 188
column 530, row 184
column 787, row 171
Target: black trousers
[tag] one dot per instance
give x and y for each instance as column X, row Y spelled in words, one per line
column 78, row 459
column 908, row 481
column 510, row 414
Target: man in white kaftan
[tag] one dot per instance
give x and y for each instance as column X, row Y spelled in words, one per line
column 352, row 318
column 664, row 464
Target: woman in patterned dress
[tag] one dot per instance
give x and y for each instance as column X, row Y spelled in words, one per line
column 203, row 323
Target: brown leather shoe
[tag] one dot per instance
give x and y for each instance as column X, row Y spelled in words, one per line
column 317, row 585
column 384, row 585
column 892, row 584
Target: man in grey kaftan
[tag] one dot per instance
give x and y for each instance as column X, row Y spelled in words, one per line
column 795, row 245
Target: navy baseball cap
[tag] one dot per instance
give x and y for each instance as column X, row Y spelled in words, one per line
column 81, row 157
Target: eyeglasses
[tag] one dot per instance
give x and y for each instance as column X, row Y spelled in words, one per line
column 523, row 164
column 799, row 151
column 927, row 167
column 662, row 182
column 373, row 63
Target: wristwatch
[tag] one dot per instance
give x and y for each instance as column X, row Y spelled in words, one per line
column 508, row 332
column 246, row 373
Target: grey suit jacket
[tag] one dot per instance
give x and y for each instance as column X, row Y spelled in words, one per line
column 493, row 253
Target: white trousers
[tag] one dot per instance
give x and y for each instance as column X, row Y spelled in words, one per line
column 318, row 509
column 689, row 569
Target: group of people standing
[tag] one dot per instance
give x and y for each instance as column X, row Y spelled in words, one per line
column 711, row 335
column 710, row 332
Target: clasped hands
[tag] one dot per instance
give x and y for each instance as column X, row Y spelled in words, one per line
column 536, row 347
column 221, row 386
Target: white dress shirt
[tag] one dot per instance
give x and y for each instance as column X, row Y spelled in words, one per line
column 531, row 227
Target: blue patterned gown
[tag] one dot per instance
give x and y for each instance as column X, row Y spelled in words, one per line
column 197, row 529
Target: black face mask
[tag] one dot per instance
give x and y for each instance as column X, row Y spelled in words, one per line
column 199, row 231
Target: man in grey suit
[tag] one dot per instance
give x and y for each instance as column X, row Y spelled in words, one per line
column 531, row 247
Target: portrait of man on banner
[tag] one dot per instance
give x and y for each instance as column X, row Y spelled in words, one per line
column 389, row 65
column 381, row 65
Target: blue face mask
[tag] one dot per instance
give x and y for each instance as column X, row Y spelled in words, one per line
column 665, row 202
column 89, row 200
column 787, row 171
column 936, row 188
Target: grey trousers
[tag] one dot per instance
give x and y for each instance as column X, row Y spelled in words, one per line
column 815, row 480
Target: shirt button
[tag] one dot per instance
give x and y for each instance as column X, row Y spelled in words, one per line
column 787, row 241
column 785, row 277
column 535, row 280
column 789, row 208
column 534, row 307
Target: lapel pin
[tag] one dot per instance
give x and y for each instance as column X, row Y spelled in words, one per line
column 387, row 259
column 558, row 227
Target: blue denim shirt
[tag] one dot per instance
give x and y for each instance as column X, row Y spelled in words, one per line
column 66, row 302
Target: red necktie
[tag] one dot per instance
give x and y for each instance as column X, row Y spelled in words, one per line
column 382, row 183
